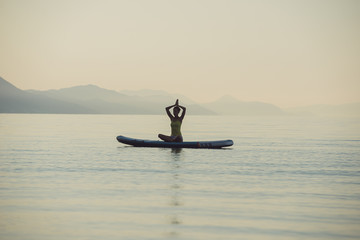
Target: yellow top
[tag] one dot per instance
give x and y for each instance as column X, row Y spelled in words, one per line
column 176, row 127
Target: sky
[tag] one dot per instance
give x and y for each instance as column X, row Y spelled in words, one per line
column 285, row 52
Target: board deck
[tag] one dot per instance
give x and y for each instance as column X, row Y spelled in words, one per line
column 160, row 144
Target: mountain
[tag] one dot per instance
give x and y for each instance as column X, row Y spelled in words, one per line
column 82, row 93
column 229, row 105
column 89, row 99
column 14, row 100
column 94, row 98
column 104, row 101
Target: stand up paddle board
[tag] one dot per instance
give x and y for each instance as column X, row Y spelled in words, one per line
column 160, row 144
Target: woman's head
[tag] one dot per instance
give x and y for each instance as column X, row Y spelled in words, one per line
column 176, row 111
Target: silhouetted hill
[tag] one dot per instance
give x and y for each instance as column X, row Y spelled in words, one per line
column 82, row 93
column 104, row 101
column 14, row 100
column 94, row 98
column 228, row 105
column 91, row 99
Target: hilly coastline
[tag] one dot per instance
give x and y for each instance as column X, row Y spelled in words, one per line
column 91, row 99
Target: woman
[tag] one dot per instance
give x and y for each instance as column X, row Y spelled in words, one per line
column 176, row 122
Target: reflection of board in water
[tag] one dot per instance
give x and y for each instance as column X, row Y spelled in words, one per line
column 161, row 144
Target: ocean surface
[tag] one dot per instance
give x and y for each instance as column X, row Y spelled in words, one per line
column 66, row 177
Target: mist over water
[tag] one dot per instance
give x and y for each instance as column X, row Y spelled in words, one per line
column 66, row 177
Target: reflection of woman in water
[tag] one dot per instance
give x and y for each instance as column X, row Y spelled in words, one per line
column 176, row 122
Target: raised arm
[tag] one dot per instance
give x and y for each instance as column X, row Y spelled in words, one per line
column 168, row 111
column 183, row 112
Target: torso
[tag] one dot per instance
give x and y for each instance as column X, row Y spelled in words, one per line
column 176, row 127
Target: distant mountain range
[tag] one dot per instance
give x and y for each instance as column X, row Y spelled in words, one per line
column 14, row 100
column 88, row 99
column 91, row 99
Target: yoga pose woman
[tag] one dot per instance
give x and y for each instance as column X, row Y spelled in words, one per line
column 176, row 122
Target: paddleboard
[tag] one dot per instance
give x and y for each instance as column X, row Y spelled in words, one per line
column 160, row 144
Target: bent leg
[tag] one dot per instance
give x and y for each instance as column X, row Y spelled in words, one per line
column 165, row 138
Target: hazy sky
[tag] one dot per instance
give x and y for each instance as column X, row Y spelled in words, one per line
column 285, row 52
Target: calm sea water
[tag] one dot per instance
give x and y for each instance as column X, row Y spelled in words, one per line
column 66, row 177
